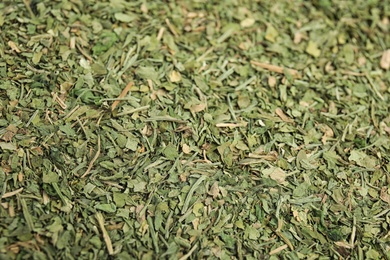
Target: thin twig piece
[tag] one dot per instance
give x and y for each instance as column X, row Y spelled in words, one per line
column 122, row 95
column 59, row 100
column 188, row 255
column 81, row 50
column 106, row 237
column 353, row 73
column 275, row 68
column 11, row 193
column 93, row 160
column 27, row 4
column 277, row 250
column 232, row 125
column 72, row 111
column 283, row 116
column 160, row 33
column 27, row 215
column 171, row 28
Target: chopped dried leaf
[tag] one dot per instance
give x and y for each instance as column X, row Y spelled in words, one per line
column 194, row 129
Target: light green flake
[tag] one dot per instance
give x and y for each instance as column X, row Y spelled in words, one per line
column 313, row 49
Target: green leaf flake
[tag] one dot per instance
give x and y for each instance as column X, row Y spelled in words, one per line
column 271, row 33
column 362, row 159
column 106, row 207
column 170, row 152
column 50, row 177
column 126, row 18
column 252, row 233
column 312, row 49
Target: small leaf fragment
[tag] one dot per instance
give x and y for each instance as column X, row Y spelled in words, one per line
column 175, row 76
column 313, row 49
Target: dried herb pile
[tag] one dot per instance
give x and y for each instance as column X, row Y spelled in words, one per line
column 236, row 129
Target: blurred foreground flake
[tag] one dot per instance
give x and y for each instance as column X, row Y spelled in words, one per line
column 13, row 46
column 7, row 146
column 126, row 18
column 247, row 22
column 385, row 60
column 271, row 33
column 175, row 76
column 312, row 49
column 147, row 73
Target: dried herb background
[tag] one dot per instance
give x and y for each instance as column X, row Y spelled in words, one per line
column 194, row 129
